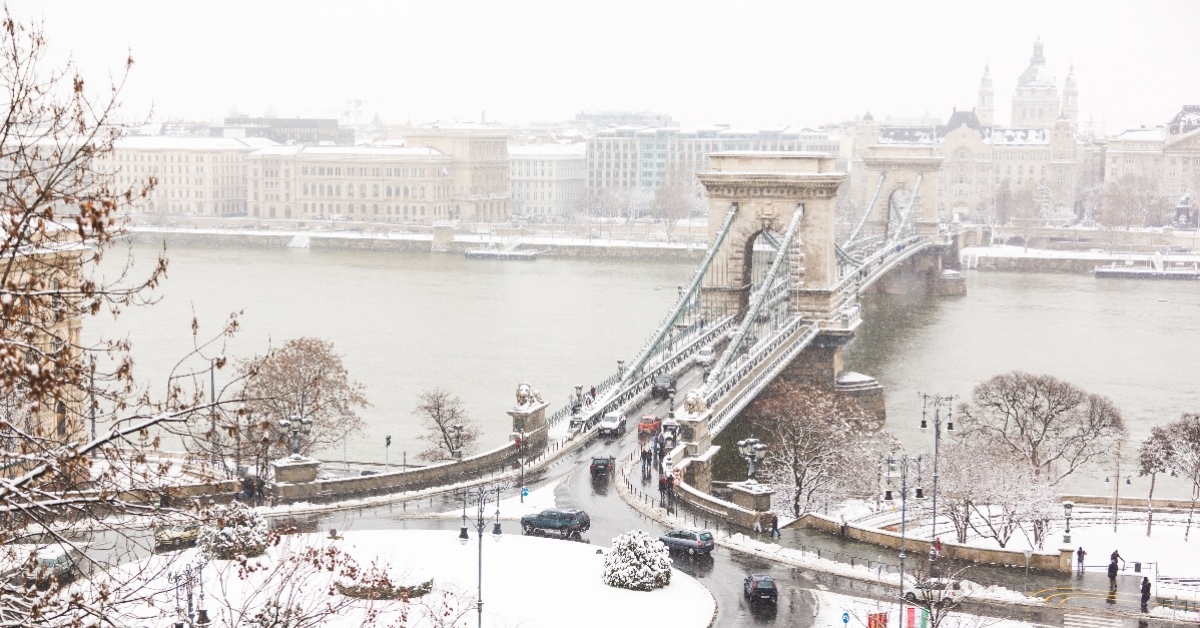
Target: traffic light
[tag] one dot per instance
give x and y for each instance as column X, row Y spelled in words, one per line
column 387, row 442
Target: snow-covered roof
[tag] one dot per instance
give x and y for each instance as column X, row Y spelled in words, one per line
column 365, row 152
column 1140, row 135
column 1013, row 137
column 548, row 150
column 163, row 142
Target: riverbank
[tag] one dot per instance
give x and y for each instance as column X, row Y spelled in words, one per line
column 552, row 245
column 1021, row 259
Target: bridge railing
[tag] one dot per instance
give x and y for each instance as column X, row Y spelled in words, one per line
column 874, row 262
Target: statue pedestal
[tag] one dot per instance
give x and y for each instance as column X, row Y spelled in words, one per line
column 752, row 496
column 530, row 419
column 693, row 432
column 295, row 470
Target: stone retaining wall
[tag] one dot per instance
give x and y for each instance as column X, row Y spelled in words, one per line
column 1048, row 561
column 1126, row 502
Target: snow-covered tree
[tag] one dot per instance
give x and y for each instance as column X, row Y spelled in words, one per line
column 1185, row 457
column 1154, row 457
column 819, row 444
column 961, row 484
column 637, row 562
column 441, row 411
column 233, row 531
column 1052, row 426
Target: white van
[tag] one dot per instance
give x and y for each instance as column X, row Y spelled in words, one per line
column 706, row 356
column 613, row 424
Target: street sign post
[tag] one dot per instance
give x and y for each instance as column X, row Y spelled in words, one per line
column 524, row 492
column 845, row 618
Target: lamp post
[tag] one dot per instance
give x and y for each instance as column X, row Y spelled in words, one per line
column 752, row 451
column 521, row 462
column 937, row 401
column 620, row 369
column 480, row 496
column 456, row 441
column 891, row 468
column 1117, row 486
column 1067, row 506
column 296, row 426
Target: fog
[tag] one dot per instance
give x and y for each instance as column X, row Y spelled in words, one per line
column 758, row 64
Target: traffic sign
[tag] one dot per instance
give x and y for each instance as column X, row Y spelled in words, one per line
column 845, row 618
column 524, row 492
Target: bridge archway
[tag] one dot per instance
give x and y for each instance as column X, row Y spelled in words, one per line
column 766, row 190
column 895, row 168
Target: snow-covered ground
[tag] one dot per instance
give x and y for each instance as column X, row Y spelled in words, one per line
column 528, row 582
column 513, row 508
column 831, row 606
column 1092, row 254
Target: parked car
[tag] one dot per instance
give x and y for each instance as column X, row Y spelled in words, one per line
column 690, row 541
column 175, row 535
column 603, row 465
column 760, row 588
column 564, row 523
column 53, row 563
column 664, row 386
column 650, row 424
column 706, row 356
column 613, row 424
column 931, row 590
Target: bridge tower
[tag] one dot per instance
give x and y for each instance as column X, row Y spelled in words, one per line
column 899, row 170
column 766, row 188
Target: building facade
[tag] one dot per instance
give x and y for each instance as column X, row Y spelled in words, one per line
column 288, row 130
column 478, row 168
column 205, row 176
column 640, row 157
column 1168, row 154
column 361, row 183
column 548, row 180
column 1040, row 150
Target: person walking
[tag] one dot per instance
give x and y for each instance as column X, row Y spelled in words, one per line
column 757, row 524
column 1112, row 575
column 1145, row 593
column 937, row 547
column 1115, row 556
column 775, row 526
column 1079, row 555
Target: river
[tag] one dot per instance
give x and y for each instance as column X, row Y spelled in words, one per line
column 405, row 323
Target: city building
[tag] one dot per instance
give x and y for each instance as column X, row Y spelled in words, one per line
column 1040, row 150
column 640, row 157
column 362, row 183
column 205, row 176
column 548, row 179
column 478, row 167
column 1169, row 153
column 606, row 119
column 288, row 130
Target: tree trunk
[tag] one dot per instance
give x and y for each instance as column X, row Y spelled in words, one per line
column 1191, row 509
column 1150, row 504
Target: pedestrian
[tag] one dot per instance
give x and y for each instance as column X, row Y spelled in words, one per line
column 757, row 524
column 1145, row 593
column 775, row 526
column 662, row 484
column 1112, row 575
column 937, row 547
column 1079, row 558
column 1115, row 556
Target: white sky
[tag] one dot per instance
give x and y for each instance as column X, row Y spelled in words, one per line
column 751, row 63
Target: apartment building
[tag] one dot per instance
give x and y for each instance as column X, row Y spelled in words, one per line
column 548, row 180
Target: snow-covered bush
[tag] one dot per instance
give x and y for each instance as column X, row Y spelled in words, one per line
column 637, row 562
column 233, row 531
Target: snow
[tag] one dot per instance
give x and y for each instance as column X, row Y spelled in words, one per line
column 830, row 606
column 557, row 580
column 511, row 508
column 1093, row 254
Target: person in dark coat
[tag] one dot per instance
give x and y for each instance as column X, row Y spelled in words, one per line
column 1145, row 593
column 1112, row 575
column 1079, row 558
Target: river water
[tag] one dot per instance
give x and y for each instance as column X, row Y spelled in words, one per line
column 410, row 322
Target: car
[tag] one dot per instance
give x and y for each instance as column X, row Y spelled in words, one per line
column 650, row 424
column 603, row 465
column 664, row 386
column 175, row 535
column 560, row 522
column 760, row 588
column 613, row 424
column 52, row 564
column 931, row 590
column 706, row 356
column 689, row 541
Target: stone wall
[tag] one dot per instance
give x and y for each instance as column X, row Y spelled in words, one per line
column 1048, row 561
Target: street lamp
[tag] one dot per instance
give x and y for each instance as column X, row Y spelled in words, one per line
column 480, row 496
column 1117, row 486
column 521, row 462
column 296, row 426
column 456, row 440
column 891, row 466
column 1067, row 506
column 752, row 451
column 937, row 401
column 620, row 368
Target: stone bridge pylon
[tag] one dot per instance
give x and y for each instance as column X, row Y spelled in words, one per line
column 767, row 188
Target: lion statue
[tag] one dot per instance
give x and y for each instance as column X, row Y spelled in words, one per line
column 526, row 394
column 694, row 403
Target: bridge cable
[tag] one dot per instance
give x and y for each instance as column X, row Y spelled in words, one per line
column 651, row 348
column 866, row 214
column 739, row 335
column 906, row 213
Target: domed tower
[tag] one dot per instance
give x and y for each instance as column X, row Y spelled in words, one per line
column 1035, row 103
column 986, row 108
column 1070, row 101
